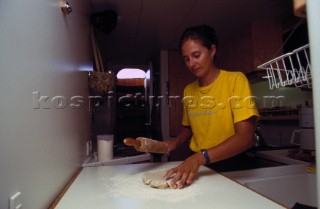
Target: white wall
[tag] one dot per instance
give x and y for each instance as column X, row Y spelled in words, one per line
column 41, row 50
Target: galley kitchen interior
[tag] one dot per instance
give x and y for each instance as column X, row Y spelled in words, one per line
column 78, row 77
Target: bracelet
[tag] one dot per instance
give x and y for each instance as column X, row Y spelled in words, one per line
column 205, row 154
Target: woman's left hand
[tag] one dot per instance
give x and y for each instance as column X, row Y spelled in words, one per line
column 186, row 171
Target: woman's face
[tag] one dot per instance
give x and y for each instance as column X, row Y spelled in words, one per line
column 197, row 57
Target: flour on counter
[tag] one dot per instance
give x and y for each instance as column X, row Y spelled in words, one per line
column 132, row 186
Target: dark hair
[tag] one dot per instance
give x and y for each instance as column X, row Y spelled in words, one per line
column 204, row 33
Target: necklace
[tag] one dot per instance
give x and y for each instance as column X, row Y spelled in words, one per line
column 206, row 89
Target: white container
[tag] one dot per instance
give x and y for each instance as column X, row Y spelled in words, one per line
column 306, row 140
column 306, row 131
column 105, row 147
column 306, row 118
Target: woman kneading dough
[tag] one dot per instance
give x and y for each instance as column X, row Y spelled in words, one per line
column 219, row 110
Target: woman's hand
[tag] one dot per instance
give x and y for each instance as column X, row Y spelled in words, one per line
column 186, row 171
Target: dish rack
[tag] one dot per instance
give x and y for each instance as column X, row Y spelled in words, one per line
column 291, row 69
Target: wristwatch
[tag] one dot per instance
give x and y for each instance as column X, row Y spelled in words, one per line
column 205, row 154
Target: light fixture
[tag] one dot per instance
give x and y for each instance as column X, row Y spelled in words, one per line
column 65, row 7
column 127, row 73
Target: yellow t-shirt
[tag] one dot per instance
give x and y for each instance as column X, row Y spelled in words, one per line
column 211, row 111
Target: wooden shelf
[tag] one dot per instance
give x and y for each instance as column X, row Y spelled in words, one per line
column 280, row 117
column 279, row 114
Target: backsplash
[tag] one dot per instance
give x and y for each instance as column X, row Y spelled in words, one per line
column 288, row 96
column 278, row 132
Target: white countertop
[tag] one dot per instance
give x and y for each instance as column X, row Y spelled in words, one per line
column 287, row 184
column 120, row 186
column 290, row 167
column 280, row 156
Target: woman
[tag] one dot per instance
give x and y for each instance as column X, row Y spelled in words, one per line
column 219, row 109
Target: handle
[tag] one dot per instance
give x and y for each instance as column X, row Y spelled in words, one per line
column 168, row 92
column 132, row 142
column 143, row 144
column 293, row 137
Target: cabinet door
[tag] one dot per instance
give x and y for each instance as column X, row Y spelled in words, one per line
column 266, row 41
column 179, row 76
column 235, row 54
column 251, row 46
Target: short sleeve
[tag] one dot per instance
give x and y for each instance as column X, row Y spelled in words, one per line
column 242, row 101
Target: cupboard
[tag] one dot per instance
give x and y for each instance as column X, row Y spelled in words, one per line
column 255, row 44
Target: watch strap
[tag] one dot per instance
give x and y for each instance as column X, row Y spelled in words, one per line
column 204, row 152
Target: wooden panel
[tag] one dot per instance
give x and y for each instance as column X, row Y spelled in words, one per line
column 179, row 76
column 65, row 189
column 236, row 53
column 266, row 41
column 131, row 82
column 251, row 46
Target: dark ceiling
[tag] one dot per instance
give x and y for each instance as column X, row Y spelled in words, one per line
column 145, row 27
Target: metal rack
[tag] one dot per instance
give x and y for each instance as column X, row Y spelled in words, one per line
column 291, row 69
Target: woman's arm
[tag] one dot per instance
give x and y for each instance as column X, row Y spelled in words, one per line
column 183, row 136
column 237, row 143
